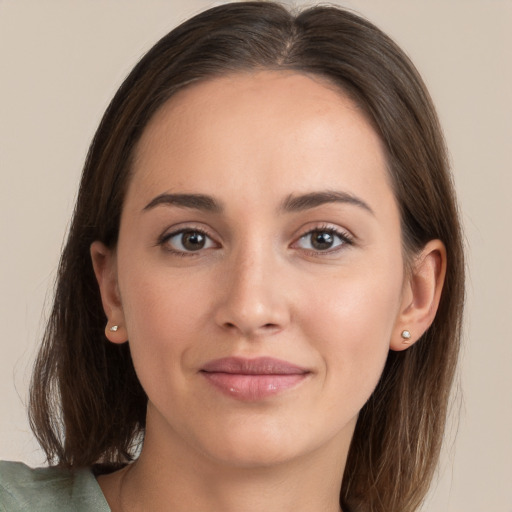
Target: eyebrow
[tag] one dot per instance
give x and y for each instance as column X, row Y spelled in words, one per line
column 314, row 199
column 195, row 201
column 290, row 204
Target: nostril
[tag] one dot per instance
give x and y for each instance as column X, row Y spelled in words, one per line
column 265, row 327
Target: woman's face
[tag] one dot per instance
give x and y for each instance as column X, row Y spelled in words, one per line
column 259, row 223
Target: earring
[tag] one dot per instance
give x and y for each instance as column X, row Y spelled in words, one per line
column 114, row 328
column 406, row 336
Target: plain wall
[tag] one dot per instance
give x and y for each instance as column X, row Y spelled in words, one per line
column 60, row 64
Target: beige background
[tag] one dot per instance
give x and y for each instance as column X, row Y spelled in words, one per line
column 60, row 63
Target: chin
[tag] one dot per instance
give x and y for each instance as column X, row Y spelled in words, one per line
column 257, row 444
column 255, row 454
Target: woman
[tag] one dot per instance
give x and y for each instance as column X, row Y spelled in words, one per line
column 259, row 303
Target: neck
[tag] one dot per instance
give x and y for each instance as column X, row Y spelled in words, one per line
column 169, row 476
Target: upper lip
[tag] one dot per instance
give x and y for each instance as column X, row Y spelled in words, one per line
column 255, row 366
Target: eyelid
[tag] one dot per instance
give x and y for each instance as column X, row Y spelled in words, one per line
column 343, row 234
column 346, row 237
column 177, row 230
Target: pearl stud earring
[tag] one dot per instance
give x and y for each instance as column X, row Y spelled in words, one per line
column 406, row 335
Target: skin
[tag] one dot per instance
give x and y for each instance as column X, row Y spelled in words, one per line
column 258, row 288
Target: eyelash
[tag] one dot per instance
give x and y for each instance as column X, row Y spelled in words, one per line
column 164, row 239
column 344, row 237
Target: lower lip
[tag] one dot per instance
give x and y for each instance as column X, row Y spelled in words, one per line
column 252, row 387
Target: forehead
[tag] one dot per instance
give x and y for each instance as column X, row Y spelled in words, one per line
column 267, row 129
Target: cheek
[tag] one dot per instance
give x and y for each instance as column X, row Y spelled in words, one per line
column 163, row 315
column 160, row 304
column 352, row 322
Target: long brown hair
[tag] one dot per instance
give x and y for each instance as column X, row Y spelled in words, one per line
column 87, row 405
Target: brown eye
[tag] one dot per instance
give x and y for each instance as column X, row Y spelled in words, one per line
column 187, row 241
column 193, row 240
column 323, row 240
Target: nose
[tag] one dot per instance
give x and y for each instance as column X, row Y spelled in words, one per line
column 254, row 299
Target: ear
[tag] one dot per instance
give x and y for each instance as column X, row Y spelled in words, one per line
column 104, row 263
column 421, row 295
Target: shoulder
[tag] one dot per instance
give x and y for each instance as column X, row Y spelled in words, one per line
column 48, row 489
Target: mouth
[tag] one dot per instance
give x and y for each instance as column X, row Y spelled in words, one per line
column 253, row 379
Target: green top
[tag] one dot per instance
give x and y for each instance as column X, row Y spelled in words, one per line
column 24, row 489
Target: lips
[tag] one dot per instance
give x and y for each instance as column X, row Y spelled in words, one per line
column 252, row 379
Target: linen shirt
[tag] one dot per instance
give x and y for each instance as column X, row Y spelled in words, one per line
column 23, row 489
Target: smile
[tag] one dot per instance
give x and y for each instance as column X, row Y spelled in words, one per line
column 252, row 379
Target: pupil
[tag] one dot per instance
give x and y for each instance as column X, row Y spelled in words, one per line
column 322, row 239
column 193, row 241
